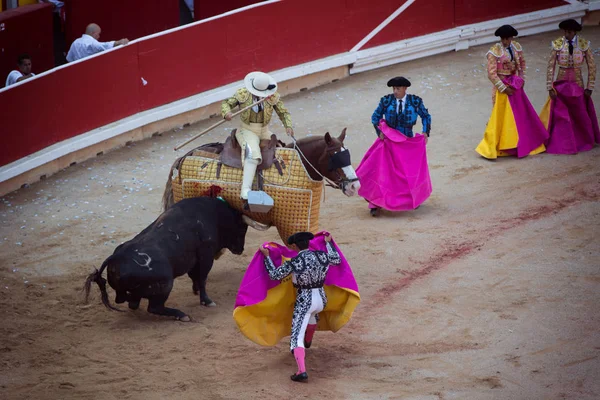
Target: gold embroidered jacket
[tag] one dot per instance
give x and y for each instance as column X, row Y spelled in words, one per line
column 243, row 98
column 569, row 66
column 499, row 63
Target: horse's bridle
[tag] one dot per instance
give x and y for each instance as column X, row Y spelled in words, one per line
column 340, row 183
column 338, row 160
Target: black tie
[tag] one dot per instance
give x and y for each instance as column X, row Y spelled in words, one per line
column 512, row 57
column 570, row 47
column 399, row 107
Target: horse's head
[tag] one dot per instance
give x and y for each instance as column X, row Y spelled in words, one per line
column 335, row 164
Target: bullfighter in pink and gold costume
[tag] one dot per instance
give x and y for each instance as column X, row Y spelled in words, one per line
column 514, row 127
column 569, row 113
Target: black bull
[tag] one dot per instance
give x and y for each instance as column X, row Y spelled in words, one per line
column 186, row 238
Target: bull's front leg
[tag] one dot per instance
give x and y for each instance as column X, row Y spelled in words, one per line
column 199, row 275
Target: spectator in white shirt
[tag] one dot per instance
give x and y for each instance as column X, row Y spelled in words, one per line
column 88, row 44
column 24, row 71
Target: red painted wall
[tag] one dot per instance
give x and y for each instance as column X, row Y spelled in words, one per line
column 68, row 102
column 26, row 29
column 473, row 11
column 106, row 88
column 209, row 8
column 119, row 19
column 420, row 18
column 218, row 52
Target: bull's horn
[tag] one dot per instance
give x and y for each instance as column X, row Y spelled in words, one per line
column 256, row 225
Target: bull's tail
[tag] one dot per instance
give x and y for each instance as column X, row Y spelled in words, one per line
column 96, row 276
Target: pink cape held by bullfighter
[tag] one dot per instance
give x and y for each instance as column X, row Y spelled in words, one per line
column 394, row 174
column 264, row 307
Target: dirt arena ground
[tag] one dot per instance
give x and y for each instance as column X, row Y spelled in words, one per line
column 489, row 291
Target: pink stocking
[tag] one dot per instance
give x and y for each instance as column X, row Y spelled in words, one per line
column 299, row 356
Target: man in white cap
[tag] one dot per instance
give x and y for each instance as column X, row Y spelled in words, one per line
column 255, row 121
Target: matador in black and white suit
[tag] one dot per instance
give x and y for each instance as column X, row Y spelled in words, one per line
column 309, row 269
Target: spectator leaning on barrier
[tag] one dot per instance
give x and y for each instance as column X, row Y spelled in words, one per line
column 88, row 44
column 24, row 71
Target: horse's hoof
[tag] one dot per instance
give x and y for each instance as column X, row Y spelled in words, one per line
column 185, row 318
column 211, row 304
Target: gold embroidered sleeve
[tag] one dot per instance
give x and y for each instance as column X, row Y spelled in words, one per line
column 284, row 114
column 522, row 66
column 493, row 74
column 550, row 70
column 227, row 105
column 589, row 58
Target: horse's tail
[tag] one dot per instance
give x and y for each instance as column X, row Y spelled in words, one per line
column 168, row 199
column 96, row 276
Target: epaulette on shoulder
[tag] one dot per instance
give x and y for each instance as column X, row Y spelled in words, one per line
column 583, row 44
column 558, row 44
column 496, row 50
column 242, row 95
column 274, row 99
column 517, row 46
column 416, row 99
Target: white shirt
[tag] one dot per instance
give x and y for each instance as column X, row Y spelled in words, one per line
column 11, row 79
column 86, row 46
column 403, row 104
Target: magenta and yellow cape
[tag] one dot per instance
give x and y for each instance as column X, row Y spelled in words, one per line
column 571, row 120
column 514, row 127
column 263, row 307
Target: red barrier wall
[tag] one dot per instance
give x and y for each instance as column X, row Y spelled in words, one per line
column 209, row 8
column 28, row 30
column 68, row 102
column 106, row 88
column 471, row 12
column 420, row 18
column 218, row 52
column 119, row 19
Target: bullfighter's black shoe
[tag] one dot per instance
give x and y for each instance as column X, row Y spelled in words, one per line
column 303, row 377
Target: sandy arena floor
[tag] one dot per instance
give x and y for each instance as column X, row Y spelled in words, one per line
column 489, row 291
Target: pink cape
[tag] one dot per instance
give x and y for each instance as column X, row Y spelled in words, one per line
column 393, row 173
column 573, row 125
column 264, row 307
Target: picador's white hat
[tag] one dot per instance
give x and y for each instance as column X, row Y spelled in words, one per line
column 260, row 84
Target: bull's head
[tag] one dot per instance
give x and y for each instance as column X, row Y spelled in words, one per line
column 237, row 239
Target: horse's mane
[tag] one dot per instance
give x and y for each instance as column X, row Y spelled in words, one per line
column 306, row 141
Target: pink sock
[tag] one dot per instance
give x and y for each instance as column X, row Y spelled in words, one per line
column 310, row 332
column 299, row 356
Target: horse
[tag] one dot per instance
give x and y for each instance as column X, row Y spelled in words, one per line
column 323, row 157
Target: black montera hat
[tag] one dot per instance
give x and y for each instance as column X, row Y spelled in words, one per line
column 506, row 31
column 570, row 25
column 399, row 81
column 300, row 237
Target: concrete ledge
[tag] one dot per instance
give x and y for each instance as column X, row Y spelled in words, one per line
column 461, row 38
column 52, row 159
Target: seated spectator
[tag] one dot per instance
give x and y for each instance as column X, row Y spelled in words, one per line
column 24, row 72
column 88, row 44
